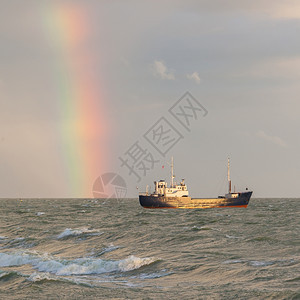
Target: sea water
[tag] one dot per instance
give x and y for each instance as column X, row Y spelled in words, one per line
column 100, row 249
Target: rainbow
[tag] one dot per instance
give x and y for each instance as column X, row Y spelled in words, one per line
column 83, row 126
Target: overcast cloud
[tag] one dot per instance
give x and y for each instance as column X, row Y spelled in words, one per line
column 240, row 59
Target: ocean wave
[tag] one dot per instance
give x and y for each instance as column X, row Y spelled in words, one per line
column 110, row 248
column 233, row 261
column 232, row 236
column 6, row 275
column 261, row 239
column 69, row 232
column 18, row 242
column 154, row 275
column 196, row 228
column 261, row 263
column 80, row 266
column 36, row 277
column 256, row 263
column 280, row 262
column 3, row 240
column 9, row 260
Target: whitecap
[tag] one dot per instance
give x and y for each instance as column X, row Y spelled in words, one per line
column 231, row 236
column 80, row 266
column 3, row 274
column 69, row 232
column 110, row 248
column 35, row 277
column 40, row 213
column 195, row 228
column 155, row 275
column 133, row 263
column 233, row 261
column 256, row 263
column 9, row 260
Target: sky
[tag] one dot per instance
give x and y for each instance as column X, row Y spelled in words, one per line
column 84, row 82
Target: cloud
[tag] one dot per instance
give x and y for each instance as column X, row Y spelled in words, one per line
column 194, row 77
column 160, row 69
column 288, row 9
column 284, row 68
column 273, row 139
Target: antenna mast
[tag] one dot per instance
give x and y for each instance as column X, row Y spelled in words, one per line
column 228, row 177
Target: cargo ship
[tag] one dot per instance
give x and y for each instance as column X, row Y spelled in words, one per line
column 177, row 196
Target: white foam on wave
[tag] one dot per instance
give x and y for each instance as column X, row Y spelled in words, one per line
column 260, row 263
column 38, row 277
column 8, row 260
column 233, row 261
column 80, row 266
column 154, row 275
column 110, row 248
column 133, row 263
column 232, row 236
column 35, row 277
column 3, row 274
column 69, row 232
column 40, row 213
column 256, row 263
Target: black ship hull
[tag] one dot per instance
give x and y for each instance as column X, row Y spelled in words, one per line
column 150, row 201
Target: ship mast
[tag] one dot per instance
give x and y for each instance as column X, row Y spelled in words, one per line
column 172, row 171
column 228, row 176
